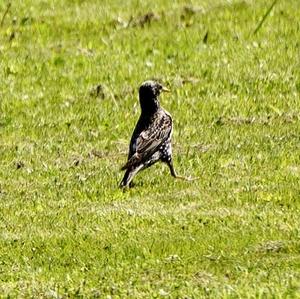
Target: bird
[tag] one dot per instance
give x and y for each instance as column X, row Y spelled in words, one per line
column 151, row 138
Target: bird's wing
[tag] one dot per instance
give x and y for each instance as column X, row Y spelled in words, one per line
column 148, row 141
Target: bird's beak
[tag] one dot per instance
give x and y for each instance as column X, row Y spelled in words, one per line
column 165, row 89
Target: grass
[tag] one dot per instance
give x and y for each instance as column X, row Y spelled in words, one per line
column 66, row 228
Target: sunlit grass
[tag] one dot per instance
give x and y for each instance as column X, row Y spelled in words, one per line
column 66, row 228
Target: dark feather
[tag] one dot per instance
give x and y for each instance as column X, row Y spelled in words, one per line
column 147, row 141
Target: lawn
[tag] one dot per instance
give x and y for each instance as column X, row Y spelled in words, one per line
column 70, row 72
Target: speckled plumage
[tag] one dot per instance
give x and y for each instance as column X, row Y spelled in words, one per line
column 151, row 138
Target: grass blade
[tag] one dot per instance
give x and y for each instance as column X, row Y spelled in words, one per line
column 264, row 17
column 5, row 13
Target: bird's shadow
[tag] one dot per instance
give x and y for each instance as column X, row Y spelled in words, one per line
column 132, row 186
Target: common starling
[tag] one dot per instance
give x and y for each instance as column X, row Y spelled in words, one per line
column 151, row 138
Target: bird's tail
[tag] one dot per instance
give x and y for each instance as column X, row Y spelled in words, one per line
column 124, row 181
column 129, row 174
column 133, row 161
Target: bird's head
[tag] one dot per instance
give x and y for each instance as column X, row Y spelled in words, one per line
column 149, row 92
column 151, row 89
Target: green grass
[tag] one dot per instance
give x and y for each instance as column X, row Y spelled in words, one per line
column 66, row 228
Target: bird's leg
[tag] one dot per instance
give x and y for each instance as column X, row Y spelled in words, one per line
column 175, row 175
column 129, row 174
